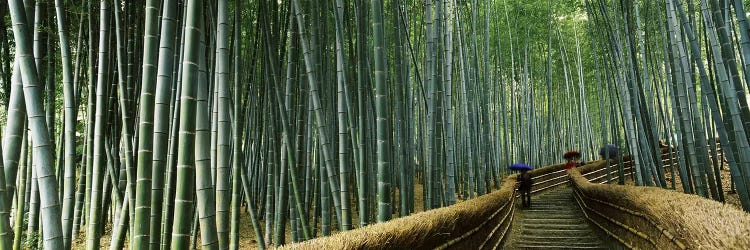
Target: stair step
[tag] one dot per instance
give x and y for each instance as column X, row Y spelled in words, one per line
column 536, row 212
column 551, row 207
column 556, row 200
column 554, row 205
column 552, row 217
column 572, row 220
column 533, row 209
column 558, row 247
column 556, row 196
column 553, row 243
column 558, row 204
column 560, row 238
column 557, row 232
column 551, row 226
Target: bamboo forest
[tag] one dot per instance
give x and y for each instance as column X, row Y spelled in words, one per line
column 243, row 124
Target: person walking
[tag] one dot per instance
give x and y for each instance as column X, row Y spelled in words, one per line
column 572, row 157
column 525, row 183
column 571, row 164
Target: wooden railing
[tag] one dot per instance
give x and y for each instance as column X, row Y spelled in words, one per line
column 554, row 176
column 633, row 229
column 655, row 218
column 492, row 238
column 598, row 174
column 479, row 223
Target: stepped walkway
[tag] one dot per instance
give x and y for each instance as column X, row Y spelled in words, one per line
column 577, row 209
column 555, row 221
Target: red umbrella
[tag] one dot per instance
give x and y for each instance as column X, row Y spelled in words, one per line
column 572, row 155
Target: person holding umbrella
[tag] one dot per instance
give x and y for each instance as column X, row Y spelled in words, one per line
column 610, row 151
column 524, row 183
column 571, row 156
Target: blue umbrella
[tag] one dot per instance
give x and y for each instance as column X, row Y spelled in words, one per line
column 519, row 166
column 611, row 148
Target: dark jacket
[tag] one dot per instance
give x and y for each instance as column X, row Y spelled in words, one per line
column 525, row 181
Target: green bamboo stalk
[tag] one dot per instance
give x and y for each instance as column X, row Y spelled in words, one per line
column 669, row 56
column 464, row 75
column 69, row 99
column 269, row 144
column 11, row 148
column 125, row 105
column 282, row 183
column 253, row 216
column 286, row 150
column 12, row 144
column 383, row 145
column 25, row 165
column 362, row 80
column 183, row 206
column 341, row 107
column 237, row 146
column 53, row 238
column 90, row 117
column 223, row 161
column 205, row 192
column 431, row 106
column 448, row 117
column 161, row 119
column 173, row 138
column 402, row 86
column 140, row 237
column 319, row 118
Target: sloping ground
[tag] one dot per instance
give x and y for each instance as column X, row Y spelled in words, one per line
column 555, row 221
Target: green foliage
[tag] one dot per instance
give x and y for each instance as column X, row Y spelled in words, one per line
column 31, row 240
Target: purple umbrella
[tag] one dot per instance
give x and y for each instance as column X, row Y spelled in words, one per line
column 519, row 166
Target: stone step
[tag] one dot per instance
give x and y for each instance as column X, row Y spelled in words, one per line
column 570, row 203
column 551, row 200
column 542, row 207
column 558, row 194
column 566, row 221
column 560, row 238
column 555, row 196
column 538, row 211
column 557, row 232
column 551, row 212
column 552, row 226
column 553, row 206
column 518, row 246
column 554, row 243
column 556, row 200
column 552, row 216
